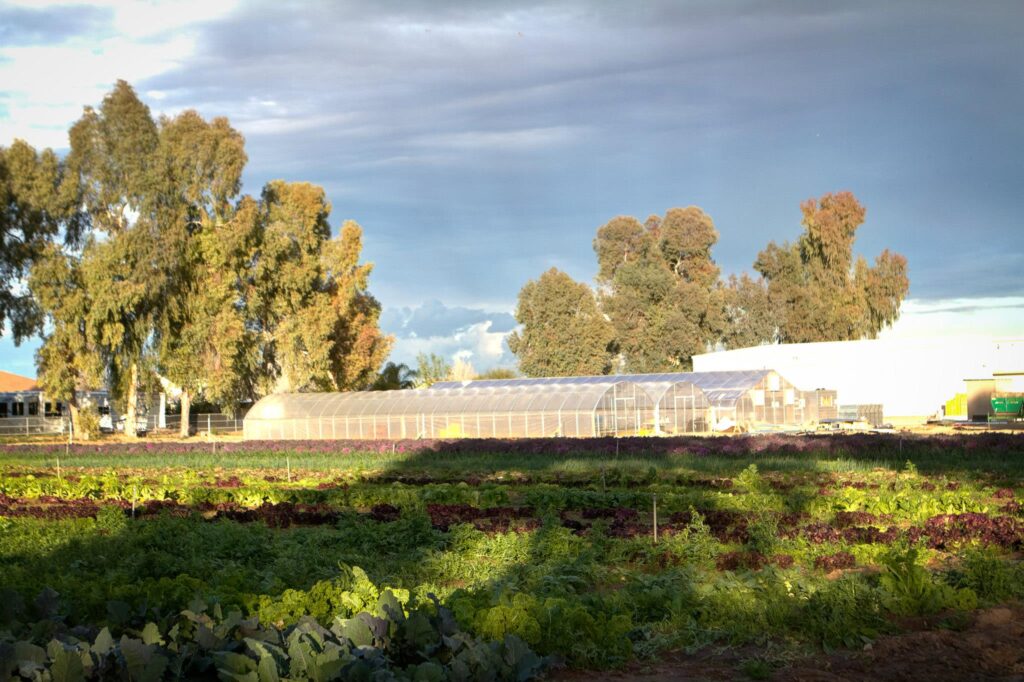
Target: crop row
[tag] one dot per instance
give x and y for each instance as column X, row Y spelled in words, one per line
column 846, row 445
column 938, row 532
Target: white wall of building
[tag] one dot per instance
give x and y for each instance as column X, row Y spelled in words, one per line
column 911, row 377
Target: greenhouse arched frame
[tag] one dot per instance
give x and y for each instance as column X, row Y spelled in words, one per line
column 599, row 408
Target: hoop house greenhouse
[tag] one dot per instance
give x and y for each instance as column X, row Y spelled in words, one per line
column 746, row 399
column 679, row 406
column 596, row 408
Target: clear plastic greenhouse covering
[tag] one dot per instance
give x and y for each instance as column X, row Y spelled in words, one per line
column 610, row 407
column 744, row 399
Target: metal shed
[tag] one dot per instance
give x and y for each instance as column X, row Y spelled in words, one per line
column 608, row 407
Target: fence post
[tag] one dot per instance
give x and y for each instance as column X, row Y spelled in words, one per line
column 655, row 518
column 208, row 431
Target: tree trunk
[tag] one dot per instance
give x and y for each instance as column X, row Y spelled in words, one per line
column 186, row 406
column 76, row 422
column 131, row 417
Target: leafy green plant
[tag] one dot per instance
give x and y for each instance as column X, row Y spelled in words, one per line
column 908, row 588
column 88, row 423
column 387, row 641
column 993, row 578
column 762, row 534
column 750, row 480
column 844, row 612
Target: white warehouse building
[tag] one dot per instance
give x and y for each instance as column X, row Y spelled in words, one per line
column 912, row 378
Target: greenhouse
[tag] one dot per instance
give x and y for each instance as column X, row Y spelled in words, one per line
column 744, row 400
column 593, row 408
column 679, row 406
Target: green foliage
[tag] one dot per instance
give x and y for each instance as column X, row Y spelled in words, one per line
column 88, row 423
column 228, row 297
column 384, row 642
column 762, row 534
column 694, row 545
column 431, row 369
column 815, row 289
column 660, row 287
column 38, row 199
column 563, row 332
column 595, row 597
column 991, row 577
column 909, row 590
column 394, row 377
column 750, row 480
column 844, row 612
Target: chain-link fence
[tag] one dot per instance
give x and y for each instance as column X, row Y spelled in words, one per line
column 206, row 423
column 29, row 426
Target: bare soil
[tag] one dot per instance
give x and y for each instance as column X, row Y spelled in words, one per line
column 989, row 647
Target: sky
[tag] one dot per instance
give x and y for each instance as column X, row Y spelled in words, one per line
column 480, row 143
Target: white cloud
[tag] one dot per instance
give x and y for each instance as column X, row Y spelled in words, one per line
column 523, row 139
column 476, row 344
column 46, row 86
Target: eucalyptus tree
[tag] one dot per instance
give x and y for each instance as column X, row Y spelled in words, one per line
column 430, row 369
column 229, row 296
column 68, row 359
column 563, row 333
column 308, row 303
column 818, row 291
column 37, row 209
column 112, row 159
column 201, row 340
column 659, row 287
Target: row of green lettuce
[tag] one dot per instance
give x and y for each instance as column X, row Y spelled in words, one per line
column 906, row 496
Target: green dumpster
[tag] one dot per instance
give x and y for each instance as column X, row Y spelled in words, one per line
column 1008, row 405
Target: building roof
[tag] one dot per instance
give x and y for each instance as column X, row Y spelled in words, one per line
column 12, row 383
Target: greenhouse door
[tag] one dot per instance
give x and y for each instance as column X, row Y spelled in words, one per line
column 626, row 418
column 683, row 416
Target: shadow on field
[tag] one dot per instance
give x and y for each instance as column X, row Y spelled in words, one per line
column 953, row 455
column 122, row 571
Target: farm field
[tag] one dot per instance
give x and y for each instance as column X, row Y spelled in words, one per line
column 766, row 557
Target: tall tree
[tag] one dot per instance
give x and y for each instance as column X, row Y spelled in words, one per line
column 748, row 313
column 394, row 377
column 37, row 206
column 201, row 337
column 818, row 291
column 112, row 159
column 317, row 323
column 563, row 332
column 660, row 287
column 68, row 360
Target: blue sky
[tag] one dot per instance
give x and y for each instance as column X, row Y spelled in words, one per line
column 480, row 143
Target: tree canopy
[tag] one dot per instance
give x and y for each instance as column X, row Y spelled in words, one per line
column 164, row 267
column 817, row 291
column 662, row 293
column 658, row 286
column 563, row 332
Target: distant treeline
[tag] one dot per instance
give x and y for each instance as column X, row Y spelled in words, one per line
column 660, row 298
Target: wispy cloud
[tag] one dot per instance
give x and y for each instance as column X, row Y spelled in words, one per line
column 504, row 140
